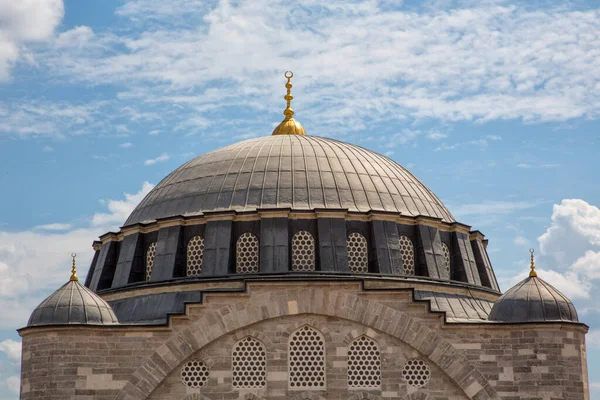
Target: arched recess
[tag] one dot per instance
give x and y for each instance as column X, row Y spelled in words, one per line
column 295, row 301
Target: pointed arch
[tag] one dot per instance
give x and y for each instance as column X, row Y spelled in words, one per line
column 305, row 301
column 249, row 364
column 364, row 364
column 306, row 359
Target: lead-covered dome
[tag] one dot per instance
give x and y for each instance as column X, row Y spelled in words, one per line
column 289, row 171
column 533, row 300
column 72, row 304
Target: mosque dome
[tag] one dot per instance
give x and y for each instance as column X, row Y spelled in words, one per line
column 73, row 304
column 533, row 300
column 289, row 206
column 299, row 172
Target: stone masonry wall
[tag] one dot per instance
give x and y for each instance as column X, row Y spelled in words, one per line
column 470, row 361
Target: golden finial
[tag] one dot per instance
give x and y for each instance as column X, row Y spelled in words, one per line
column 289, row 126
column 532, row 273
column 74, row 269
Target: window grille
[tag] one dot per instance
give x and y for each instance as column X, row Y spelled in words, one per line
column 306, row 364
column 194, row 374
column 303, row 252
column 416, row 373
column 249, row 364
column 358, row 254
column 195, row 254
column 407, row 252
column 446, row 254
column 247, row 254
column 364, row 364
column 150, row 257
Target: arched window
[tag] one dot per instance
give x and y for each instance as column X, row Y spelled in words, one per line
column 249, row 364
column 195, row 254
column 150, row 256
column 358, row 254
column 446, row 254
column 246, row 251
column 303, row 252
column 306, row 359
column 364, row 364
column 407, row 252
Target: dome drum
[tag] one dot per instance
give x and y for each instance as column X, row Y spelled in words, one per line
column 393, row 246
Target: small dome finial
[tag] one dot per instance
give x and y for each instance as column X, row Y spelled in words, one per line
column 532, row 273
column 289, row 126
column 74, row 269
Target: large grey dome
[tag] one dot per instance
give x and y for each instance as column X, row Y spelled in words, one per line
column 533, row 300
column 289, row 171
column 73, row 303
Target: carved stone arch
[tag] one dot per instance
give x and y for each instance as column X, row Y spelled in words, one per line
column 364, row 396
column 364, row 331
column 253, row 333
column 416, row 396
column 308, row 395
column 302, row 301
column 323, row 329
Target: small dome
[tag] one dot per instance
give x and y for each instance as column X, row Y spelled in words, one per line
column 73, row 303
column 533, row 300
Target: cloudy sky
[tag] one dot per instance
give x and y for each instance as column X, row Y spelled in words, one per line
column 495, row 105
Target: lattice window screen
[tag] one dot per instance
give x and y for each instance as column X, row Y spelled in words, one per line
column 416, row 373
column 446, row 254
column 303, row 252
column 306, row 363
column 194, row 374
column 150, row 257
column 249, row 364
column 407, row 252
column 195, row 254
column 364, row 364
column 358, row 254
column 247, row 254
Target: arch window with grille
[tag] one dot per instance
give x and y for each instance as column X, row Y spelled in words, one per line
column 150, row 257
column 364, row 364
column 194, row 374
column 303, row 251
column 246, row 251
column 407, row 252
column 195, row 255
column 306, row 359
column 358, row 254
column 446, row 257
column 249, row 364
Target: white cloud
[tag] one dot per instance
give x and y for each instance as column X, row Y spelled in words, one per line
column 492, row 208
column 162, row 158
column 14, row 384
column 520, row 240
column 569, row 283
column 527, row 166
column 592, row 338
column 480, row 63
column 53, row 227
column 12, row 350
column 35, row 263
column 588, row 264
column 25, row 21
column 126, row 145
column 48, row 149
column 119, row 210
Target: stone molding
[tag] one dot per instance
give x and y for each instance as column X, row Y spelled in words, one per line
column 213, row 324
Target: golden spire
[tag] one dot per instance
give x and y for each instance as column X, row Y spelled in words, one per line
column 74, row 269
column 532, row 273
column 289, row 126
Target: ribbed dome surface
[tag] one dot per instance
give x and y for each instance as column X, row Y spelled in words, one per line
column 73, row 303
column 289, row 171
column 533, row 300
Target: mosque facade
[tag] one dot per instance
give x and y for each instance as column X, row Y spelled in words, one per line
column 294, row 266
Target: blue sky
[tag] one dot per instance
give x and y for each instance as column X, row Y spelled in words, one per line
column 493, row 104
